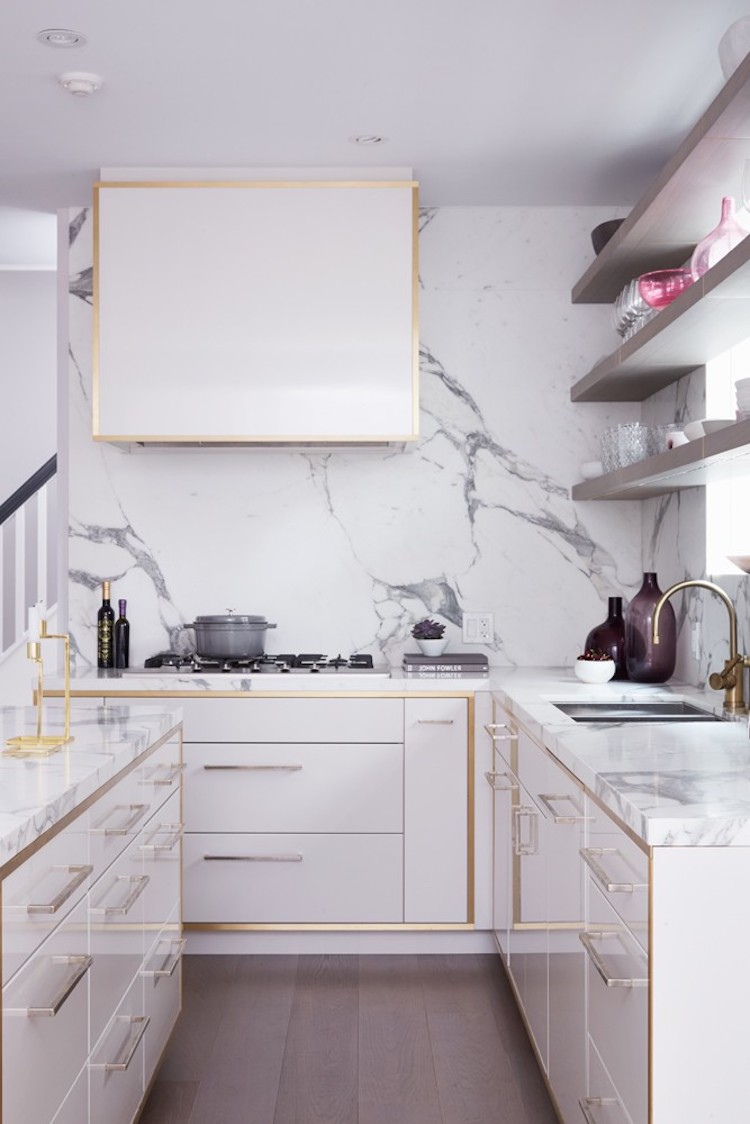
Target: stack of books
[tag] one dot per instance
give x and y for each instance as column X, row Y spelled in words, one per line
column 451, row 665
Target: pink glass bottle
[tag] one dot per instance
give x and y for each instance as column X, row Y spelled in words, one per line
column 609, row 637
column 718, row 242
column 647, row 662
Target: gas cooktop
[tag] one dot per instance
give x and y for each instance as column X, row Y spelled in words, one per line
column 283, row 664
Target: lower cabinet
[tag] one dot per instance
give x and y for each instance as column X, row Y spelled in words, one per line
column 343, row 811
column 91, row 982
column 562, row 942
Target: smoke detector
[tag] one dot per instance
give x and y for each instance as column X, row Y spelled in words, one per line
column 80, row 83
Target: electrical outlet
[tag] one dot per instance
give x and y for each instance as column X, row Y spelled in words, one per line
column 477, row 628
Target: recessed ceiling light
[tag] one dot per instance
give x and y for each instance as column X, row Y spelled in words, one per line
column 61, row 37
column 368, row 138
column 80, row 83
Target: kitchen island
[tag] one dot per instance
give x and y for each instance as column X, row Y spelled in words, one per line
column 90, row 861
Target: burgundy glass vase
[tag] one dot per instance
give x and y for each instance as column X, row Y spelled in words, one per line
column 647, row 662
column 609, row 636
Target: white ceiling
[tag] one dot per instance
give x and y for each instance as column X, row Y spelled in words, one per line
column 491, row 102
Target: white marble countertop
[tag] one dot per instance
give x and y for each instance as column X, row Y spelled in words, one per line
column 679, row 784
column 171, row 683
column 36, row 792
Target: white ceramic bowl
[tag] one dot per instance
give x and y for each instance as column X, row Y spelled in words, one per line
column 594, row 671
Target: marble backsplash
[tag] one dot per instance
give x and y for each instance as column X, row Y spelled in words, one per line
column 344, row 548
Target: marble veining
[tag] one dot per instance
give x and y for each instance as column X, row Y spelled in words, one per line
column 345, row 548
column 35, row 793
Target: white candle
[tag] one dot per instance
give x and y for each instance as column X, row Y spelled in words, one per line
column 33, row 624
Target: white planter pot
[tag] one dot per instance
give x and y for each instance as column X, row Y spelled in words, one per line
column 432, row 647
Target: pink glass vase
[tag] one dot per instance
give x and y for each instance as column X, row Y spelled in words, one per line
column 718, row 242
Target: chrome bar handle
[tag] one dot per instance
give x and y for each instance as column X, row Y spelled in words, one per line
column 172, row 775
column 532, row 846
column 281, row 858
column 434, row 721
column 588, row 938
column 492, row 779
column 509, row 737
column 175, row 835
column 138, row 1024
column 140, row 882
column 81, row 965
column 171, row 960
column 586, row 1106
column 549, row 798
column 80, row 874
column 254, row 768
column 611, row 885
column 138, row 811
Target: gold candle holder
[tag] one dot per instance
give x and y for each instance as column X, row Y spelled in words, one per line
column 39, row 744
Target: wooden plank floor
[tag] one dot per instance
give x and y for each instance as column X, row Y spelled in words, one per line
column 348, row 1040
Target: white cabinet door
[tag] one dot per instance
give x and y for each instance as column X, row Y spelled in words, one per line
column 436, row 811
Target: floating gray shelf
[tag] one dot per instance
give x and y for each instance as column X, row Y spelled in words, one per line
column 719, row 456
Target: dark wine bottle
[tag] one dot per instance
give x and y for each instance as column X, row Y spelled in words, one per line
column 122, row 637
column 105, row 619
column 609, row 637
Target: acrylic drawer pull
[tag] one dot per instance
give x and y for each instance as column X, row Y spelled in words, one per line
column 590, row 1103
column 80, row 966
column 164, row 963
column 549, row 798
column 593, row 857
column 435, row 722
column 493, row 779
column 509, row 737
column 137, row 812
column 139, row 883
column 173, row 830
column 255, row 768
column 589, row 939
column 291, row 858
column 80, row 874
column 173, row 774
column 531, row 846
column 126, row 1053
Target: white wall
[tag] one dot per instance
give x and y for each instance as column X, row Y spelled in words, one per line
column 344, row 548
column 28, row 374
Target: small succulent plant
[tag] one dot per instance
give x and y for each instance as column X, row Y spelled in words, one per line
column 427, row 629
column 595, row 655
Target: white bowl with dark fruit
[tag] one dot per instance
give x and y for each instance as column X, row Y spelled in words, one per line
column 594, row 666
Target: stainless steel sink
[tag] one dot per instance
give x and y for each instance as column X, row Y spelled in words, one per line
column 666, row 711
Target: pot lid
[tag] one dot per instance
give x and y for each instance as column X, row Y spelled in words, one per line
column 224, row 619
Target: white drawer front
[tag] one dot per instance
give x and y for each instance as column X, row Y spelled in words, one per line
column 294, row 788
column 294, row 720
column 116, row 1068
column 117, row 818
column 618, row 1014
column 116, row 918
column 161, row 773
column 620, row 870
column 602, row 1104
column 43, row 1052
column 162, row 975
column 75, row 1107
column 42, row 891
column 293, row 878
column 160, row 849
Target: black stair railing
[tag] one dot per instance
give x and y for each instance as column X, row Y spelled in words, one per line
column 29, row 488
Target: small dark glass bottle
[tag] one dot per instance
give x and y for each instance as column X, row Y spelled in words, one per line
column 105, row 620
column 648, row 662
column 609, row 636
column 122, row 637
